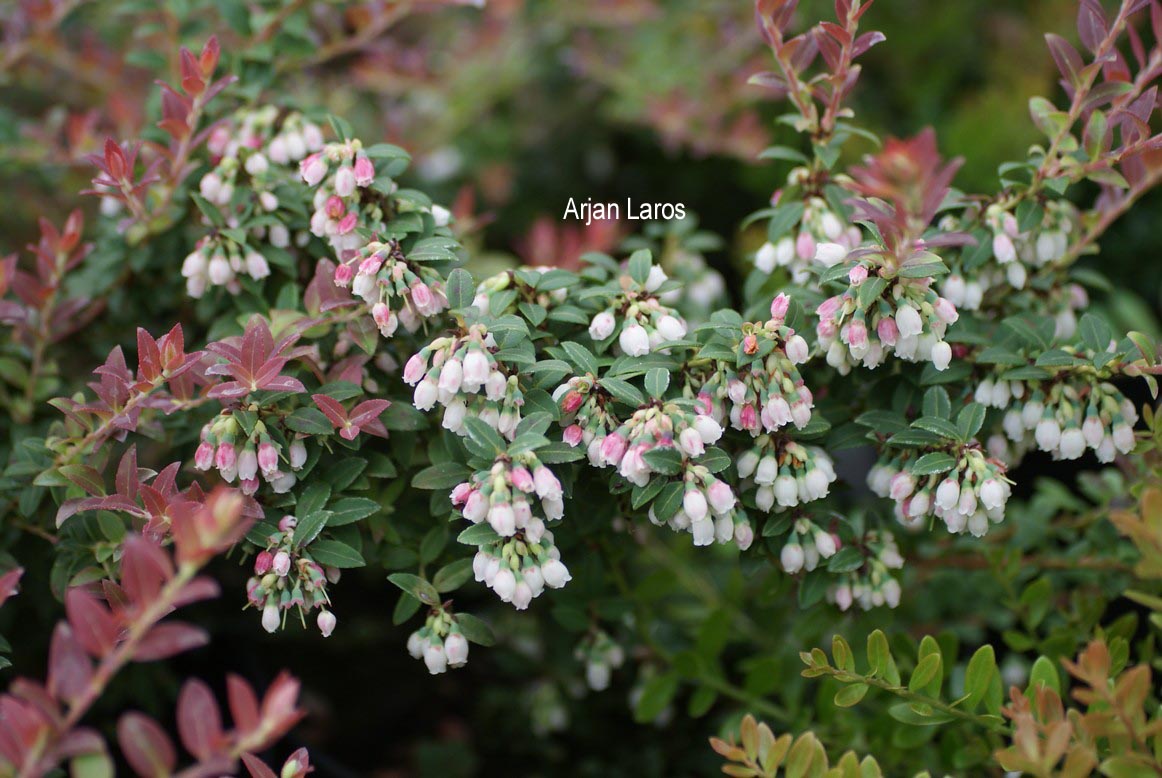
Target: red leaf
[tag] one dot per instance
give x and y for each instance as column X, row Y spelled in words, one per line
column 256, row 767
column 368, row 410
column 165, row 640
column 243, row 704
column 257, row 344
column 197, row 590
column 115, row 163
column 148, row 356
column 92, row 623
column 209, row 56
column 279, row 707
column 69, row 669
column 199, row 720
column 127, row 480
column 331, row 409
column 144, row 569
column 8, row 582
column 145, row 746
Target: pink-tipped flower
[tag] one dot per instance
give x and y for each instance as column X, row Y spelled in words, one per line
column 345, row 181
column 573, row 434
column 364, row 171
column 522, row 479
column 829, row 307
column 343, row 275
column 857, row 334
column 313, row 168
column 945, row 310
column 414, row 370
column 326, row 622
column 247, row 464
column 456, row 649
column 805, row 246
column 281, row 564
column 297, row 454
column 547, row 485
column 267, row 459
column 381, row 313
column 263, row 562
column 888, row 332
column 225, row 457
column 204, row 456
column 613, row 448
column 748, row 417
column 571, row 402
column 460, row 494
column 779, row 307
column 857, row 275
column 347, row 223
column 721, row 497
column 421, row 296
column 690, row 442
column 287, row 523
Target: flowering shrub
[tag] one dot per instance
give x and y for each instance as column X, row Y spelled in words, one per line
column 344, row 386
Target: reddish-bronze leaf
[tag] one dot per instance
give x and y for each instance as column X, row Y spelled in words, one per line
column 92, row 623
column 169, row 638
column 199, row 720
column 145, row 746
column 69, row 668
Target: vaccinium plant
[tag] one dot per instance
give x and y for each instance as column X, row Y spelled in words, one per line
column 675, row 493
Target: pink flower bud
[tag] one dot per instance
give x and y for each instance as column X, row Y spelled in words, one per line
column 613, row 448
column 748, row 417
column 888, row 332
column 721, row 497
column 267, row 458
column 313, row 168
column 421, row 295
column 225, row 456
column 805, row 246
column 263, row 562
column 281, row 564
column 945, row 310
column 857, row 275
column 204, row 456
column 857, row 334
column 345, row 181
column 287, row 523
column 343, row 275
column 381, row 313
column 522, row 479
column 413, row 371
column 347, row 223
column 334, row 208
column 573, row 434
column 779, row 307
column 364, row 171
column 326, row 622
column 460, row 494
column 546, row 483
column 829, row 307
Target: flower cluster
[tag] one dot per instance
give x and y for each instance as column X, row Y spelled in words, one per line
column 253, row 153
column 806, row 545
column 226, row 447
column 465, row 378
column 968, row 496
column 633, row 312
column 881, row 313
column 786, row 473
column 601, row 655
column 341, row 174
column 667, row 438
column 871, row 585
column 504, row 497
column 394, row 290
column 762, row 389
column 1063, row 418
column 819, row 224
column 439, row 642
column 519, row 567
column 285, row 577
column 520, row 559
column 585, row 415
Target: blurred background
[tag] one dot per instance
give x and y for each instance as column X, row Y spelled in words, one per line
column 509, row 110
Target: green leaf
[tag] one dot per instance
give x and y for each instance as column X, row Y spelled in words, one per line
column 926, row 672
column 937, row 425
column 846, row 560
column 667, row 461
column 1043, row 673
column 783, row 219
column 475, row 629
column 979, row 676
column 639, row 265
column 715, row 460
column 1095, row 332
column 417, row 587
column 459, row 288
column 580, row 356
column 879, row 654
column 309, row 527
column 850, row 695
column 657, row 382
column 444, row 475
column 478, row 535
column 933, row 463
column 309, row 421
column 668, row 501
column 350, row 510
column 335, row 554
column 970, row 420
column 656, row 695
column 936, row 402
column 433, row 543
column 623, row 391
column 452, row 575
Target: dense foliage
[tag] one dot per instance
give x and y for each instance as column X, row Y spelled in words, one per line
column 627, row 479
